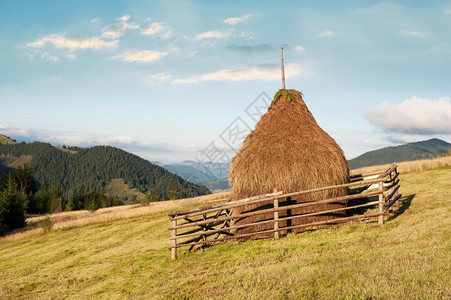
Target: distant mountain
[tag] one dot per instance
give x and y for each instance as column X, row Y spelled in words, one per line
column 218, row 185
column 199, row 173
column 407, row 152
column 94, row 168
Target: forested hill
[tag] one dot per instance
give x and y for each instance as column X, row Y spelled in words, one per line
column 407, row 152
column 94, row 168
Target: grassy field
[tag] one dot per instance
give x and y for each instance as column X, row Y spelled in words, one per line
column 118, row 188
column 409, row 257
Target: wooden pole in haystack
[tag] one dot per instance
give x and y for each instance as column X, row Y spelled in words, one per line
column 283, row 72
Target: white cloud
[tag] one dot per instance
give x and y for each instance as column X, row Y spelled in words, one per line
column 30, row 56
column 246, row 36
column 236, row 20
column 47, row 56
column 146, row 150
column 413, row 116
column 70, row 56
column 59, row 40
column 299, row 48
column 157, row 28
column 13, row 132
column 40, row 54
column 327, row 33
column 413, row 33
column 185, row 81
column 118, row 27
column 96, row 20
column 216, row 34
column 143, row 56
column 159, row 77
column 56, row 138
column 260, row 72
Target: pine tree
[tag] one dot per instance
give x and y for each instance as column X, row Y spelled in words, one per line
column 174, row 191
column 157, row 196
column 12, row 207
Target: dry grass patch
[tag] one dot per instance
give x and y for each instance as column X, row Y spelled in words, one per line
column 411, row 166
column 406, row 258
column 83, row 217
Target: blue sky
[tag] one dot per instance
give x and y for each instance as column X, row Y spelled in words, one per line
column 169, row 80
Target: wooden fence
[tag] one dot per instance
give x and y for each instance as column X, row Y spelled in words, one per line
column 216, row 222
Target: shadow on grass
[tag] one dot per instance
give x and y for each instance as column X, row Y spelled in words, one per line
column 404, row 205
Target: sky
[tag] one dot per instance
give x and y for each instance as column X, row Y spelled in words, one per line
column 188, row 80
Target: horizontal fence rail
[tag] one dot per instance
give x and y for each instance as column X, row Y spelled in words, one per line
column 217, row 222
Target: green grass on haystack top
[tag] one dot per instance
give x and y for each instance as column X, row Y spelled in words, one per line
column 408, row 257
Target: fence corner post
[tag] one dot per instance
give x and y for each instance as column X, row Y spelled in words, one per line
column 381, row 203
column 276, row 216
column 174, row 241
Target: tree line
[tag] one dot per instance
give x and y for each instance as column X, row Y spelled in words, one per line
column 52, row 179
column 18, row 197
column 95, row 167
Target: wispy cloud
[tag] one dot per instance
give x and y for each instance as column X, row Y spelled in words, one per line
column 327, row 33
column 59, row 138
column 216, row 34
column 236, row 20
column 246, row 36
column 143, row 56
column 248, row 49
column 299, row 48
column 157, row 28
column 59, row 40
column 118, row 27
column 149, row 151
column 413, row 33
column 413, row 116
column 14, row 132
column 39, row 54
column 47, row 56
column 259, row 72
column 159, row 77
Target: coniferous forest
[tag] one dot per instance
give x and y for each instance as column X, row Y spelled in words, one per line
column 46, row 177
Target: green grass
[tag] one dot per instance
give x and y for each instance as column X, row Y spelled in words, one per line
column 118, row 188
column 5, row 140
column 409, row 257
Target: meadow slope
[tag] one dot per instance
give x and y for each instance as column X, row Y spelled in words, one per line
column 408, row 257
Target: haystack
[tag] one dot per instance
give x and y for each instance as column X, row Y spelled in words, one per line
column 289, row 152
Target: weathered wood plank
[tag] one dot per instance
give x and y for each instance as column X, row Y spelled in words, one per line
column 333, row 221
column 283, row 208
column 284, row 219
column 392, row 201
column 238, row 203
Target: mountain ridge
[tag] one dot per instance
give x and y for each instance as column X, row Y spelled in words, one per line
column 407, row 152
column 94, row 168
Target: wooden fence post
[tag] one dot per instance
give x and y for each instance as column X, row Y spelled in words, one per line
column 174, row 241
column 276, row 216
column 397, row 192
column 381, row 202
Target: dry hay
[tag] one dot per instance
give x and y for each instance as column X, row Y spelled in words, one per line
column 289, row 152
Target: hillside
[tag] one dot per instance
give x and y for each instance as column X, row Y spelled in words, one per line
column 407, row 152
column 6, row 140
column 94, row 168
column 218, row 185
column 189, row 173
column 199, row 172
column 406, row 258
